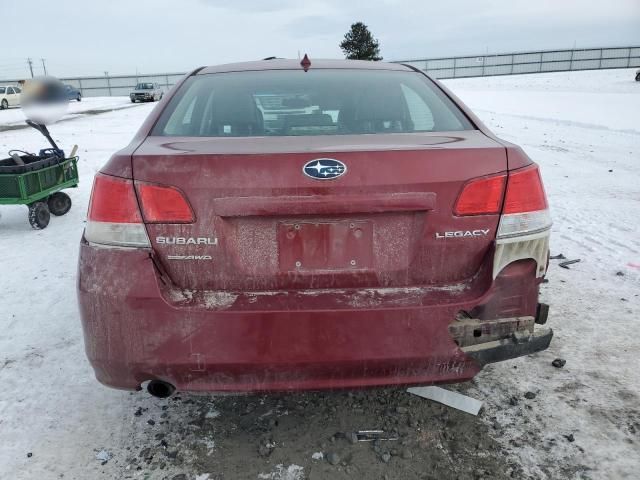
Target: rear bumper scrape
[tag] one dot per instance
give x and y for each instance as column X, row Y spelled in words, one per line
column 517, row 346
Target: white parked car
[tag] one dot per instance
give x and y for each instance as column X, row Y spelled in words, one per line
column 9, row 96
column 146, row 92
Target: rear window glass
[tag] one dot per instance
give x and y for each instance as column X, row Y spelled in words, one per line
column 318, row 102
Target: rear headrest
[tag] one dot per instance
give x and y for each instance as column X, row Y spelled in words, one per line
column 306, row 123
column 236, row 114
column 308, row 120
column 376, row 111
column 386, row 106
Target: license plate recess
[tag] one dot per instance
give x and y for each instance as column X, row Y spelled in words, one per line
column 343, row 245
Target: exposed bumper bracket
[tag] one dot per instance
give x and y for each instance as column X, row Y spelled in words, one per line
column 500, row 350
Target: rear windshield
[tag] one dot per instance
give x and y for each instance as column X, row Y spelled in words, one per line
column 318, row 102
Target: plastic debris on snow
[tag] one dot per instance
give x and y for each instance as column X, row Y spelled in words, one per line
column 447, row 397
column 213, row 413
column 292, row 472
column 103, row 456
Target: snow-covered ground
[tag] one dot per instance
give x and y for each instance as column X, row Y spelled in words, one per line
column 581, row 127
column 14, row 116
column 602, row 98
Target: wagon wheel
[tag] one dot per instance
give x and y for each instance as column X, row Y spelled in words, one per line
column 39, row 215
column 59, row 203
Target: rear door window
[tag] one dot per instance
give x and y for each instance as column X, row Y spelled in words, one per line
column 318, row 102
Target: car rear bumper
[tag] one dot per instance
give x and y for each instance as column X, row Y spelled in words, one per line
column 500, row 350
column 139, row 328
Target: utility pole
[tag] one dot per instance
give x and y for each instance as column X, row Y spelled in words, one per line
column 44, row 67
column 30, row 62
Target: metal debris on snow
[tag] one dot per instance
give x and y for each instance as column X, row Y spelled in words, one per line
column 373, row 435
column 568, row 262
column 447, row 397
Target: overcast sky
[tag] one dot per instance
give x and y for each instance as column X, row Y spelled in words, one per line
column 88, row 37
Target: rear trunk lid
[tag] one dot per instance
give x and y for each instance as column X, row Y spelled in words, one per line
column 262, row 224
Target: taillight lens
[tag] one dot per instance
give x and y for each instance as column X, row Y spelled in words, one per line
column 525, row 209
column 113, row 200
column 163, row 204
column 525, row 192
column 114, row 217
column 482, row 196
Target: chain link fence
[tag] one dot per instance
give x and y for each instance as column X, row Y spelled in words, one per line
column 447, row 67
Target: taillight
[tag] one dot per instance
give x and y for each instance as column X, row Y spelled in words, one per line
column 114, row 217
column 525, row 208
column 113, row 200
column 163, row 204
column 519, row 196
column 525, row 192
column 482, row 196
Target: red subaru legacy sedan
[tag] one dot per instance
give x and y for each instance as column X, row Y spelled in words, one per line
column 346, row 224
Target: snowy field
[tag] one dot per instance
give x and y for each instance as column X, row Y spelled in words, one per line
column 89, row 105
column 583, row 128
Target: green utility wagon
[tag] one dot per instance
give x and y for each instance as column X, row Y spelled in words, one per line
column 37, row 181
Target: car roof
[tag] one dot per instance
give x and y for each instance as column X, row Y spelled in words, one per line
column 288, row 64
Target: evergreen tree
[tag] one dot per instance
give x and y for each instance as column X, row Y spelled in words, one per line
column 359, row 44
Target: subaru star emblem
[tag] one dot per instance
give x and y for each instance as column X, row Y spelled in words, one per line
column 324, row 168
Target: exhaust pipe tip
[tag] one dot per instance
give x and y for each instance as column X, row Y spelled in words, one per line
column 160, row 389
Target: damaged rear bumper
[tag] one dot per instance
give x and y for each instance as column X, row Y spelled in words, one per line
column 139, row 328
column 505, row 349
